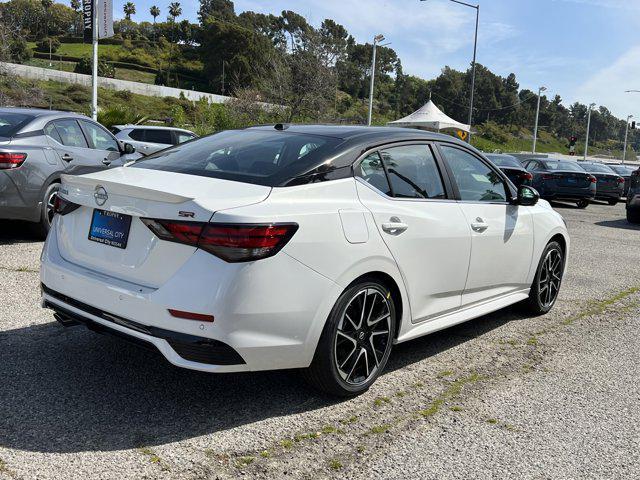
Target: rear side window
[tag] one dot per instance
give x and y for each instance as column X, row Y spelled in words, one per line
column 476, row 181
column 262, row 157
column 372, row 172
column 51, row 131
column 11, row 123
column 158, row 136
column 182, row 137
column 413, row 172
column 70, row 133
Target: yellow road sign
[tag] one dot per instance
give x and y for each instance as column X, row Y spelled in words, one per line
column 462, row 134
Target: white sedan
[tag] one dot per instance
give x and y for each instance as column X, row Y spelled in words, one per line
column 310, row 247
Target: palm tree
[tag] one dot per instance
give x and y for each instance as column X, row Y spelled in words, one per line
column 155, row 12
column 175, row 10
column 129, row 9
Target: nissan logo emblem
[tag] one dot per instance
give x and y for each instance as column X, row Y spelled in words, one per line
column 100, row 195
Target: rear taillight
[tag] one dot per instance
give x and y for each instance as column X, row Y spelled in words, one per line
column 230, row 242
column 620, row 180
column 10, row 160
column 592, row 179
column 63, row 207
column 525, row 176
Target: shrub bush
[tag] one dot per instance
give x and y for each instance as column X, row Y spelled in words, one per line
column 104, row 69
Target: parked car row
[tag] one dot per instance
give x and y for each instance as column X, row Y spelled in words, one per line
column 38, row 146
column 569, row 180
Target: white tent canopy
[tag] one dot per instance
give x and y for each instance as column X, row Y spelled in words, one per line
column 429, row 117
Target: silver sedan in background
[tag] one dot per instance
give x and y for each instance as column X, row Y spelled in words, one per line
column 37, row 146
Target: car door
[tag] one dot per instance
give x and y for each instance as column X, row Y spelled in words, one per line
column 156, row 139
column 424, row 229
column 67, row 138
column 103, row 143
column 501, row 233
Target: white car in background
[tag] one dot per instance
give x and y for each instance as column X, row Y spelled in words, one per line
column 151, row 139
column 312, row 247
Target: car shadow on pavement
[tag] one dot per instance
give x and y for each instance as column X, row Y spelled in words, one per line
column 620, row 223
column 17, row 232
column 71, row 390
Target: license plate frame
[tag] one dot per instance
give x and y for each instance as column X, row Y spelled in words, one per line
column 110, row 228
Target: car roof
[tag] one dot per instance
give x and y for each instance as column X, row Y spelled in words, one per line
column 153, row 127
column 39, row 112
column 353, row 132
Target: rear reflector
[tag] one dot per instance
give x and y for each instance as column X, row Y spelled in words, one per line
column 620, row 180
column 200, row 317
column 235, row 242
column 9, row 160
column 592, row 179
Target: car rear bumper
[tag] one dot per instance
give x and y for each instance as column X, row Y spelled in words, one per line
column 268, row 314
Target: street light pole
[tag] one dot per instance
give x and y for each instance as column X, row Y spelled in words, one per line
column 586, row 141
column 376, row 39
column 535, row 129
column 473, row 63
column 626, row 133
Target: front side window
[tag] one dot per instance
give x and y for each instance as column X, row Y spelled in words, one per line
column 100, row 138
column 413, row 172
column 476, row 181
column 70, row 133
column 372, row 172
column 137, row 134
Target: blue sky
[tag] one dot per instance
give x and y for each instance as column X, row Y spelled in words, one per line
column 583, row 50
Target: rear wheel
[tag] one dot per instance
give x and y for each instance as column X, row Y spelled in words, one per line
column 613, row 201
column 582, row 203
column 546, row 284
column 356, row 341
column 633, row 216
column 47, row 210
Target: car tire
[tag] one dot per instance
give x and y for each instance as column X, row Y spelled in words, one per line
column 547, row 281
column 46, row 210
column 633, row 216
column 341, row 365
column 613, row 202
column 582, row 203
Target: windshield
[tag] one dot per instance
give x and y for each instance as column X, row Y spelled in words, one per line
column 10, row 123
column 622, row 169
column 598, row 168
column 262, row 157
column 504, row 161
column 570, row 166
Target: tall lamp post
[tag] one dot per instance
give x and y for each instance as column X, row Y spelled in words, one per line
column 626, row 134
column 535, row 129
column 586, row 141
column 376, row 39
column 473, row 64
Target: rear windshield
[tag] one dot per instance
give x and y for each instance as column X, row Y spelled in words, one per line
column 504, row 161
column 598, row 168
column 570, row 166
column 269, row 158
column 11, row 123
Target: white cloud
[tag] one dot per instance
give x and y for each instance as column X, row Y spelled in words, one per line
column 608, row 85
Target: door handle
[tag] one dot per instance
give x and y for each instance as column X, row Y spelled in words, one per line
column 394, row 226
column 479, row 225
column 66, row 157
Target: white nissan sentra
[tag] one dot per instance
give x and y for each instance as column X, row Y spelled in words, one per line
column 312, row 247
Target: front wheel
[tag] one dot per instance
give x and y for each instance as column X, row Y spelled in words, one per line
column 633, row 216
column 582, row 203
column 546, row 283
column 356, row 341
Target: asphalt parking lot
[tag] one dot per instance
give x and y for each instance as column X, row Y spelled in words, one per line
column 505, row 395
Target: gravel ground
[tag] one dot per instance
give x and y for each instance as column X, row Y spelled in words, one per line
column 502, row 396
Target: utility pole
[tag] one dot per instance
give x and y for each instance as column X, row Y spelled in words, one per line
column 535, row 129
column 586, row 141
column 94, row 76
column 626, row 134
column 376, row 39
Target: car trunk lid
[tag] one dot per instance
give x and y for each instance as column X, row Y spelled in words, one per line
column 129, row 194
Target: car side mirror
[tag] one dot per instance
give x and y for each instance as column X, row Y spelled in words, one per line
column 129, row 149
column 527, row 196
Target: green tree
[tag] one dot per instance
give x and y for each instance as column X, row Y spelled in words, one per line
column 175, row 10
column 129, row 9
column 216, row 10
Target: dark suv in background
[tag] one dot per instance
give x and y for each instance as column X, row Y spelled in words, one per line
column 561, row 180
column 633, row 198
column 37, row 147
